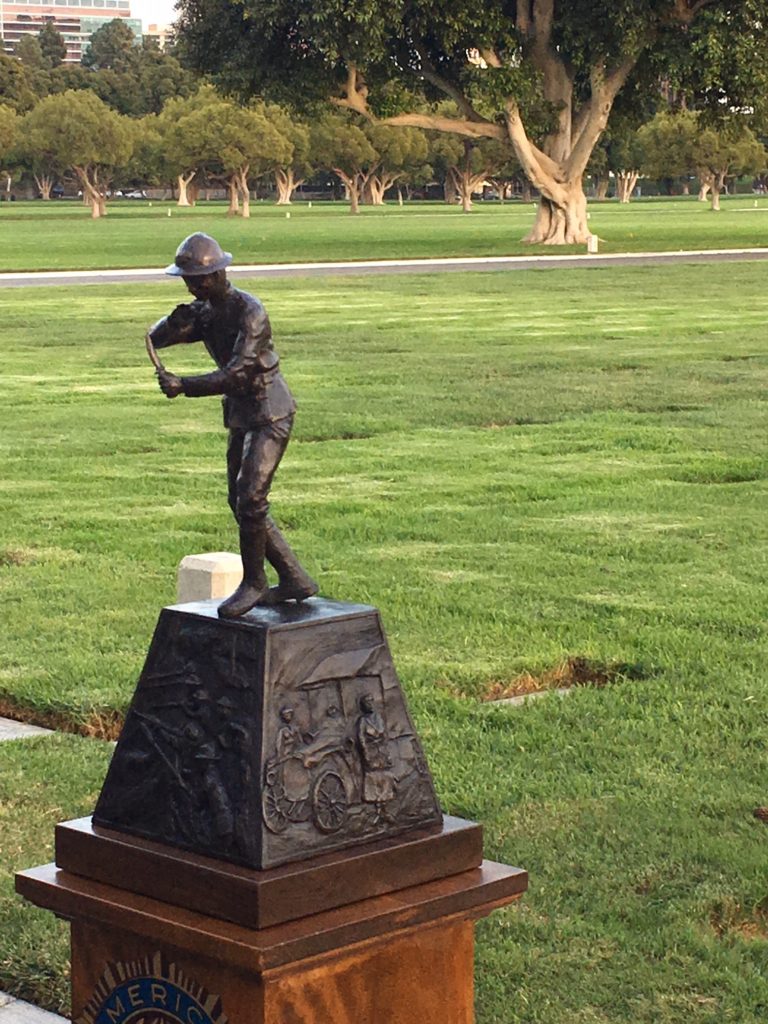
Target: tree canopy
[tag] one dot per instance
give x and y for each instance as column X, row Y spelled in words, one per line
column 543, row 74
column 29, row 52
column 9, row 126
column 52, row 45
column 76, row 130
column 111, row 46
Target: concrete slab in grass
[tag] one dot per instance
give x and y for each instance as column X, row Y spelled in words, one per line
column 15, row 1011
column 11, row 730
column 524, row 698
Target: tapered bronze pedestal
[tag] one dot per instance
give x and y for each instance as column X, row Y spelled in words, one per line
column 323, row 885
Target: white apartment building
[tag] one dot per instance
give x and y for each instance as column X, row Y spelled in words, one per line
column 77, row 20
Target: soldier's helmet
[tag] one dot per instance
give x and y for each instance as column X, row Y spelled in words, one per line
column 198, row 254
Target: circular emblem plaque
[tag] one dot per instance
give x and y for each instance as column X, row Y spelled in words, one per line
column 150, row 991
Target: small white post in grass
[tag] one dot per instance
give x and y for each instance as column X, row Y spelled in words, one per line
column 309, row 205
column 169, row 213
column 288, row 215
column 201, row 577
column 592, row 241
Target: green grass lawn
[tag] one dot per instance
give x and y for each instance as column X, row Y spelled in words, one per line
column 60, row 234
column 517, row 469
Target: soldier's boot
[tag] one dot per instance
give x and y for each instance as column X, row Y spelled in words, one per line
column 253, row 540
column 294, row 582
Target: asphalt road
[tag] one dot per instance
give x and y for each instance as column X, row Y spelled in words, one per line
column 78, row 277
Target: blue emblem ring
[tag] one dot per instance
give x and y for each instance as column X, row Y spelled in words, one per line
column 151, row 997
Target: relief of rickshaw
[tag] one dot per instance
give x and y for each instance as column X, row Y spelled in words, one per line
column 315, row 774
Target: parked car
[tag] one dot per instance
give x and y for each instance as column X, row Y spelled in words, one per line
column 57, row 192
column 136, row 193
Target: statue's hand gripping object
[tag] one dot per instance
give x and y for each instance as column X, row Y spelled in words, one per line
column 258, row 410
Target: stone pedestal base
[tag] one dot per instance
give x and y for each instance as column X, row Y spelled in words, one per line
column 268, row 847
column 404, row 958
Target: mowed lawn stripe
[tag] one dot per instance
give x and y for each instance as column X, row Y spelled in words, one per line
column 517, row 479
column 61, row 236
column 568, row 489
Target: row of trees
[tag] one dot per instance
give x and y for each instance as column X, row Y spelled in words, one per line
column 678, row 145
column 542, row 91
column 546, row 77
column 133, row 79
column 205, row 139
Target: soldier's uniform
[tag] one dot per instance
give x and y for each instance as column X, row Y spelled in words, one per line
column 258, row 406
column 258, row 410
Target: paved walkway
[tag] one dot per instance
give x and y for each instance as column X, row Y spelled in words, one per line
column 15, row 1011
column 12, row 730
column 555, row 262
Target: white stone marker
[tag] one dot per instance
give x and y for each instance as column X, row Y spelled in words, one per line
column 215, row 574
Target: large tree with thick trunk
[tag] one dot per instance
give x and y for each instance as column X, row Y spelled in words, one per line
column 509, row 67
column 295, row 170
column 188, row 146
column 345, row 149
column 76, row 130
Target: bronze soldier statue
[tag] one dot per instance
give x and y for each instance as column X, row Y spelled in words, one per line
column 258, row 410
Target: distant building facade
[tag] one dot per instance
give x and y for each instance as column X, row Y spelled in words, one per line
column 77, row 20
column 162, row 33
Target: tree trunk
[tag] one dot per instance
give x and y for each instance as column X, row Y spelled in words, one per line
column 526, row 193
column 686, row 189
column 705, row 185
column 241, row 179
column 234, row 199
column 353, row 185
column 625, row 185
column 286, row 185
column 44, row 183
column 375, row 191
column 449, row 190
column 461, row 188
column 91, row 193
column 183, row 182
column 602, row 182
column 367, row 193
column 563, row 223
column 502, row 188
column 718, row 181
column 465, row 182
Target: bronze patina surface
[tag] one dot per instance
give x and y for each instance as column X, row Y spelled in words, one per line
column 277, row 736
column 258, row 411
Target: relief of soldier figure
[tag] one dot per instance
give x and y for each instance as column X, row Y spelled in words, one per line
column 258, row 411
column 329, row 771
